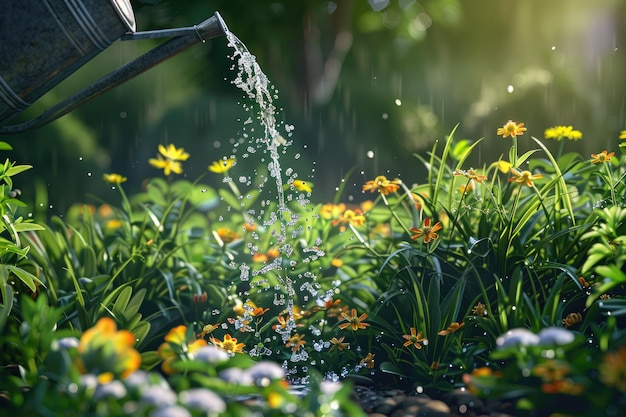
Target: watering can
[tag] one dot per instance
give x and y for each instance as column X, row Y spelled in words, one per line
column 42, row 42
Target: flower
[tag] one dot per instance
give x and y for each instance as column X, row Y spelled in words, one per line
column 504, row 166
column 524, row 177
column 172, row 153
column 222, row 166
column 601, row 157
column 560, row 132
column 414, row 339
column 555, row 336
column 209, row 328
column 479, row 309
column 353, row 321
column 302, row 186
column 511, row 129
column 339, row 344
column 368, row 361
column 451, row 329
column 250, row 307
column 269, row 256
column 171, row 162
column 471, row 174
column 107, row 352
column 295, row 342
column 226, row 235
column 517, row 336
column 613, row 369
column 622, row 134
column 354, row 217
column 572, row 319
column 552, row 370
column 429, row 232
column 331, row 211
column 177, row 345
column 167, row 165
column 116, row 179
column 202, row 399
column 382, row 184
column 228, row 345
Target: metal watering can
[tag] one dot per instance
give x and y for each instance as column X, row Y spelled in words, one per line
column 42, row 42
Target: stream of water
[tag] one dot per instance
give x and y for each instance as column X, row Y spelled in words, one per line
column 258, row 89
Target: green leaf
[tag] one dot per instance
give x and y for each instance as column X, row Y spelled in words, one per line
column 14, row 170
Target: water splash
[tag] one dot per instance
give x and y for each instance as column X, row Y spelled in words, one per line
column 257, row 87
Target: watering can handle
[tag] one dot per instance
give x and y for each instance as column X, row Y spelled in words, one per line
column 183, row 39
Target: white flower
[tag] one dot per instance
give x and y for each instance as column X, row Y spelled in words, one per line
column 516, row 337
column 555, row 336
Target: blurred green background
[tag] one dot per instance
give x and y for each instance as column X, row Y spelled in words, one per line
column 365, row 83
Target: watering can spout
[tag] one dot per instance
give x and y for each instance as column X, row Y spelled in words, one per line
column 21, row 85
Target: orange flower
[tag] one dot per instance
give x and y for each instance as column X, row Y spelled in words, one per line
column 106, row 350
column 451, row 329
column 429, row 232
column 249, row 306
column 332, row 211
column 228, row 345
column 511, row 129
column 354, row 321
column 354, row 217
column 524, row 177
column 269, row 256
column 368, row 361
column 295, row 342
column 414, row 339
column 226, row 235
column 382, row 184
column 339, row 344
column 601, row 157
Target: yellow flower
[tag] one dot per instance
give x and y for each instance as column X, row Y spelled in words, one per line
column 295, row 342
column 382, row 184
column 107, row 352
column 368, row 361
column 167, row 165
column 303, row 186
column 353, row 217
column 332, row 211
column 226, row 235
column 228, row 345
column 173, row 153
column 504, row 166
column 209, row 328
column 524, row 177
column 512, row 129
column 222, row 166
column 414, row 339
column 560, row 132
column 429, row 232
column 354, row 321
column 176, row 346
column 116, row 179
column 601, row 157
column 622, row 134
column 451, row 329
column 479, row 309
column 339, row 344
